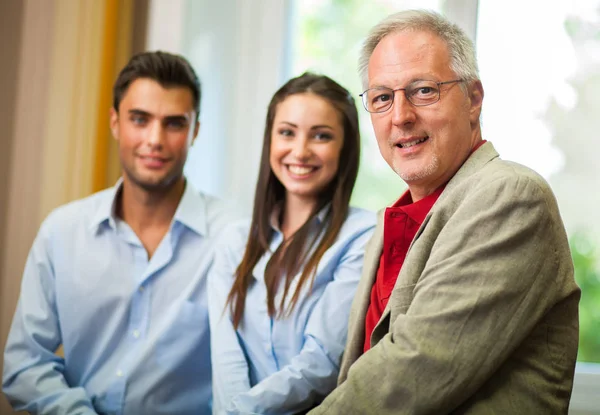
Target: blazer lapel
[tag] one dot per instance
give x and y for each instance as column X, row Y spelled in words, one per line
column 362, row 299
column 399, row 282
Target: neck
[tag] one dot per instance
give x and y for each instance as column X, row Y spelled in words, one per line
column 142, row 209
column 295, row 214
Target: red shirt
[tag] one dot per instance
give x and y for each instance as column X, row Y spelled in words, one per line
column 400, row 225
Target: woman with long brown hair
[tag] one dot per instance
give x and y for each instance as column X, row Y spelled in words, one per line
column 282, row 286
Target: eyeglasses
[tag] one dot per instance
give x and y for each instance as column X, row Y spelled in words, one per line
column 418, row 93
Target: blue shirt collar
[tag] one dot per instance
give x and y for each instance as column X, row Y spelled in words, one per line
column 188, row 212
column 190, row 204
column 105, row 212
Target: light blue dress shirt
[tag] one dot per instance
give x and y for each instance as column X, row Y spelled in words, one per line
column 283, row 365
column 134, row 331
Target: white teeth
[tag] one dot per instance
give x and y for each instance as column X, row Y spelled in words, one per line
column 300, row 170
column 413, row 143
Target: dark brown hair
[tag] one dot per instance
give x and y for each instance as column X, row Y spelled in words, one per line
column 165, row 68
column 292, row 254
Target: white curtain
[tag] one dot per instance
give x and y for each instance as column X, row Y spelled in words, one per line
column 238, row 49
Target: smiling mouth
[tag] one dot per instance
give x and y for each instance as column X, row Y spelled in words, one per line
column 412, row 143
column 151, row 158
column 300, row 170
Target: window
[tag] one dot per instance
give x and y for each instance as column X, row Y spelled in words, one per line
column 540, row 68
column 542, row 87
column 329, row 40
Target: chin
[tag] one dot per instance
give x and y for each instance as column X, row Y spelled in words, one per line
column 150, row 186
column 417, row 173
column 154, row 184
column 303, row 193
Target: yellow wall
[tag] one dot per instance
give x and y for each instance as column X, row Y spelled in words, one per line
column 56, row 78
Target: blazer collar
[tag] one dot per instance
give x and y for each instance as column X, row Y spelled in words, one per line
column 474, row 163
column 362, row 299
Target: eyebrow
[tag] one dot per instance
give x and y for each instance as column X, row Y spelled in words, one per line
column 314, row 127
column 412, row 81
column 139, row 112
column 169, row 118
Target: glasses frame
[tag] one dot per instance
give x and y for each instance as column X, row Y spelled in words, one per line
column 439, row 95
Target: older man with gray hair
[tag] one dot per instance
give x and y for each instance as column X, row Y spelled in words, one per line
column 467, row 303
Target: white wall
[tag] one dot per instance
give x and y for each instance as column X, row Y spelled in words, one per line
column 238, row 49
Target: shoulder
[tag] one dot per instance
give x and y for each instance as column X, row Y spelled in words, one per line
column 63, row 227
column 356, row 213
column 77, row 213
column 359, row 220
column 232, row 238
column 356, row 230
column 229, row 247
column 500, row 196
column 220, row 214
column 502, row 181
column 499, row 169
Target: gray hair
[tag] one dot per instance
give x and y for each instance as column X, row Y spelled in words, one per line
column 460, row 47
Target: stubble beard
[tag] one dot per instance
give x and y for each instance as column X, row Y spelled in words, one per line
column 412, row 175
column 420, row 174
column 161, row 185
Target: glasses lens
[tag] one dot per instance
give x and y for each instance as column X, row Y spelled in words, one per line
column 378, row 99
column 423, row 92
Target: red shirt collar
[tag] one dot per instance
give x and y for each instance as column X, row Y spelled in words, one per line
column 418, row 211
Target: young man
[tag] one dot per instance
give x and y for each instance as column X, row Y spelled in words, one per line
column 467, row 303
column 118, row 278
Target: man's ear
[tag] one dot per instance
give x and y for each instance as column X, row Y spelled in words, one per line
column 476, row 98
column 114, row 123
column 196, row 131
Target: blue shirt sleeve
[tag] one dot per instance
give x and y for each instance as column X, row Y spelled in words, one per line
column 312, row 374
column 32, row 378
column 229, row 365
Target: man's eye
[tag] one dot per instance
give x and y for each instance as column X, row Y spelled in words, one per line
column 176, row 124
column 381, row 97
column 424, row 91
column 138, row 120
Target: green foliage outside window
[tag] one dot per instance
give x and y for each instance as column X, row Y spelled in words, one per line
column 587, row 274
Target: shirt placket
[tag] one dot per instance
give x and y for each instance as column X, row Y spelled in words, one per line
column 136, row 329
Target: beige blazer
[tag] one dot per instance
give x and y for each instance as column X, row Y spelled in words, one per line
column 483, row 317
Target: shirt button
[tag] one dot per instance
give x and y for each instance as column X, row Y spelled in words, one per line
column 120, row 373
column 136, row 333
column 141, row 289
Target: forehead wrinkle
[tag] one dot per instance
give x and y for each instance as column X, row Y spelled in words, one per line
column 398, row 54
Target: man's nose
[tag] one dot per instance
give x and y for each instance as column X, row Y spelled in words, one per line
column 403, row 112
column 156, row 134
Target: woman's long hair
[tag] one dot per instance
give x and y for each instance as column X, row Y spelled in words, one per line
column 287, row 260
